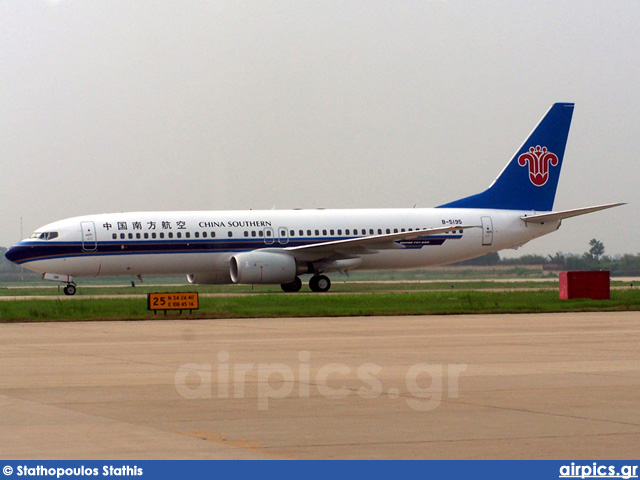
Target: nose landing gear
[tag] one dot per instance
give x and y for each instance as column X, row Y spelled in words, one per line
column 69, row 289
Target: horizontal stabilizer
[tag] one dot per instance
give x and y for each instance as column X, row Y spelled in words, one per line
column 548, row 217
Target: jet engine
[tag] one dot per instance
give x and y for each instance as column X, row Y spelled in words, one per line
column 264, row 267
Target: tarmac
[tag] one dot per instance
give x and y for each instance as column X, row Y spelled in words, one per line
column 534, row 386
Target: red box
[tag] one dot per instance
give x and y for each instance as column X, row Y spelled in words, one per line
column 595, row 285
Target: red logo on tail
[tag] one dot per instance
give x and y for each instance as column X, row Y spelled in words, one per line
column 539, row 160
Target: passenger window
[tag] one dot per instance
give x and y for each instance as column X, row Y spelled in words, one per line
column 146, row 235
column 130, row 236
column 114, row 236
column 153, row 235
column 246, row 233
column 170, row 234
column 161, row 234
column 379, row 231
column 339, row 232
column 308, row 233
column 229, row 234
column 138, row 236
column 196, row 234
column 122, row 236
column 346, row 231
column 204, row 234
column 179, row 234
column 187, row 234
column 317, row 232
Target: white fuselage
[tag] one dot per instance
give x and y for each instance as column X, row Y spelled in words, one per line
column 144, row 243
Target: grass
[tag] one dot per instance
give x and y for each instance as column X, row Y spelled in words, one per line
column 305, row 305
column 342, row 287
column 347, row 286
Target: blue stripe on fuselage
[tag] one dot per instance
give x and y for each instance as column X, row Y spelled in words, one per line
column 34, row 251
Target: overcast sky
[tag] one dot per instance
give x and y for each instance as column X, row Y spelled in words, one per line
column 112, row 106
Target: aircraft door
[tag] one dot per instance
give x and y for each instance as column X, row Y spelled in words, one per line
column 487, row 231
column 283, row 235
column 268, row 236
column 89, row 240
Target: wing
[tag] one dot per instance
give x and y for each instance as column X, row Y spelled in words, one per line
column 354, row 247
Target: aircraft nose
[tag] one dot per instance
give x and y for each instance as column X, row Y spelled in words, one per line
column 16, row 253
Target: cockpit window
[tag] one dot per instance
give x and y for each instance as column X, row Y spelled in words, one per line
column 44, row 235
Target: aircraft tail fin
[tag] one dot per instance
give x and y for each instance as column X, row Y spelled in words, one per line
column 530, row 179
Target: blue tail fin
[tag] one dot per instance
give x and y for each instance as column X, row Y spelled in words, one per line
column 530, row 179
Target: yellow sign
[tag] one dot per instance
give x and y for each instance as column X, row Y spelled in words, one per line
column 173, row 301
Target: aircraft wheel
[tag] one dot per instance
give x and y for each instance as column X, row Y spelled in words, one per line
column 319, row 283
column 294, row 286
column 70, row 290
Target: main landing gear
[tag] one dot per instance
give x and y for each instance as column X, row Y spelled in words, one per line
column 317, row 283
column 292, row 287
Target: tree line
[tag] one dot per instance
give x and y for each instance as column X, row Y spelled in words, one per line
column 592, row 259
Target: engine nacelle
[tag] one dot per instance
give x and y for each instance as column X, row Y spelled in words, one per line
column 263, row 267
column 209, row 278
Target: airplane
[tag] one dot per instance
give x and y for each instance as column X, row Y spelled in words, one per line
column 278, row 246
